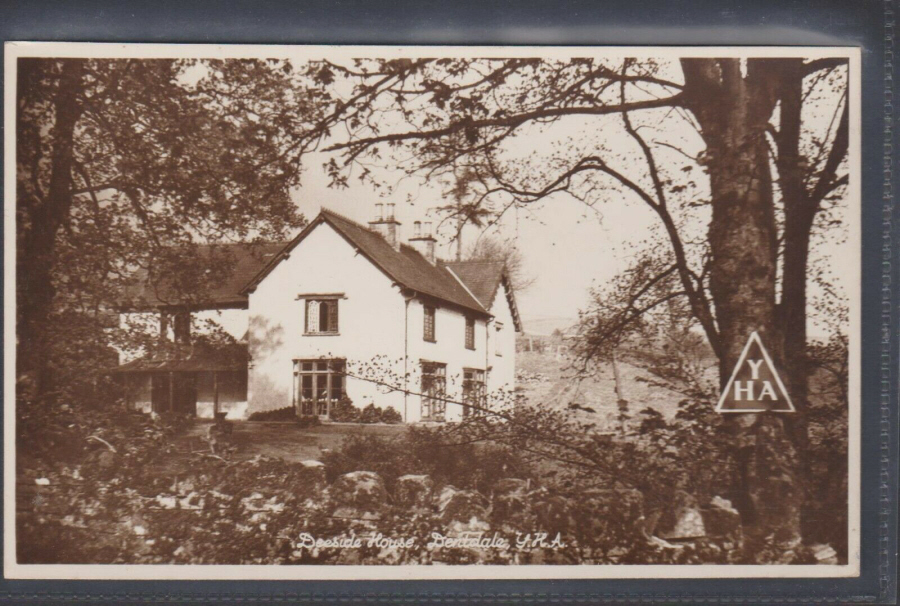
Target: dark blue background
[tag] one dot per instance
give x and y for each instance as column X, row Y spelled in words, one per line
column 630, row 22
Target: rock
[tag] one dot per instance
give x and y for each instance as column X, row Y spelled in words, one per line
column 612, row 516
column 413, row 491
column 358, row 495
column 511, row 485
column 685, row 521
column 106, row 459
column 721, row 519
column 511, row 507
column 316, row 469
column 665, row 545
column 553, row 513
column 824, row 554
column 462, row 510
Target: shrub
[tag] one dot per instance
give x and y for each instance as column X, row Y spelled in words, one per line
column 344, row 411
column 390, row 416
column 288, row 413
column 370, row 414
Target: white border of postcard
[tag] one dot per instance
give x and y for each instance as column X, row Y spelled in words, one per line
column 14, row 570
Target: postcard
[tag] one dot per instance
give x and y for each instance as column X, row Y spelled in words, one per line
column 337, row 312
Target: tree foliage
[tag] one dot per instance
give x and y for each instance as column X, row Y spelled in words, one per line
column 124, row 164
column 492, row 248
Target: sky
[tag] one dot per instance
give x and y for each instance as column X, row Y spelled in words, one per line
column 566, row 247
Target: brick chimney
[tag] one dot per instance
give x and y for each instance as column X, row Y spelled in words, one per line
column 423, row 241
column 386, row 225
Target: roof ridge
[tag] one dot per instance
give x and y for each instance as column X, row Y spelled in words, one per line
column 328, row 211
column 464, row 285
column 481, row 261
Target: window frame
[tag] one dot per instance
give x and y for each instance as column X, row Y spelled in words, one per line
column 434, row 400
column 479, row 379
column 332, row 302
column 314, row 406
column 470, row 333
column 429, row 311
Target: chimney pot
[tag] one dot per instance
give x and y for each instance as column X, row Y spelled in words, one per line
column 423, row 241
column 386, row 225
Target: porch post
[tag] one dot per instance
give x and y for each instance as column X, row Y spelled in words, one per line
column 328, row 390
column 171, row 391
column 215, row 393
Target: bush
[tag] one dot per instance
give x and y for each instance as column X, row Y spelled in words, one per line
column 344, row 411
column 390, row 416
column 370, row 414
column 288, row 413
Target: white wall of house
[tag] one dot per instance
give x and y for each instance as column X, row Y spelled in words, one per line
column 502, row 347
column 449, row 348
column 233, row 321
column 371, row 323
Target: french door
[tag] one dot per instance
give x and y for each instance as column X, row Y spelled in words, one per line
column 318, row 385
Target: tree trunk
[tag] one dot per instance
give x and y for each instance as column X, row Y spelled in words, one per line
column 801, row 204
column 733, row 111
column 37, row 255
column 799, row 212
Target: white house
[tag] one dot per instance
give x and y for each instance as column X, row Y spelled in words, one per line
column 342, row 311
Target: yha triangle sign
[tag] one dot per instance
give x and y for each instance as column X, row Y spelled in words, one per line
column 754, row 385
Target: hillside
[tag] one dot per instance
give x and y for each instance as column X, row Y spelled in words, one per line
column 548, row 378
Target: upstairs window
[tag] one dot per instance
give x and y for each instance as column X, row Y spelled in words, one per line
column 498, row 340
column 322, row 316
column 470, row 333
column 429, row 324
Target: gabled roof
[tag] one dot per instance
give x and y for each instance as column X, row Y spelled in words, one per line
column 404, row 265
column 244, row 261
column 483, row 279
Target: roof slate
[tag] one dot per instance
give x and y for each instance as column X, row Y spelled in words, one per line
column 482, row 278
column 245, row 259
column 405, row 265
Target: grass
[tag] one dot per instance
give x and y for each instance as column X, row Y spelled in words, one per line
column 285, row 440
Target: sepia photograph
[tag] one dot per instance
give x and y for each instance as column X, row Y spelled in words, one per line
column 291, row 312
